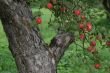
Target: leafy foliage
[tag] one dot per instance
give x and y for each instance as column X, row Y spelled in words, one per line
column 68, row 18
column 62, row 18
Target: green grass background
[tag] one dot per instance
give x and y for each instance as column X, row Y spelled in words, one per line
column 69, row 63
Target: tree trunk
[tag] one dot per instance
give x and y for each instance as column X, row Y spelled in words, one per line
column 31, row 53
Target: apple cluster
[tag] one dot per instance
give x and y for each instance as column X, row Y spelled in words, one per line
column 84, row 27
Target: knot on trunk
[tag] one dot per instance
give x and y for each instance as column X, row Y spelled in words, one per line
column 62, row 40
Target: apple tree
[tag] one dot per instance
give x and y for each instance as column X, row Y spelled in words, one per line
column 31, row 53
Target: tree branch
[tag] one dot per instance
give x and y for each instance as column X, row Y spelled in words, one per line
column 60, row 43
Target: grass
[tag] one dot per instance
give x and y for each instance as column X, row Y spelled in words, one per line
column 7, row 64
column 71, row 62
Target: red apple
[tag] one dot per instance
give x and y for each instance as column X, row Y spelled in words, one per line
column 89, row 26
column 108, row 43
column 39, row 20
column 97, row 66
column 81, row 26
column 93, row 43
column 83, row 17
column 82, row 36
column 77, row 12
column 49, row 5
column 91, row 49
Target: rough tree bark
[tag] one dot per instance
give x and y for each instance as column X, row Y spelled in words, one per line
column 31, row 53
